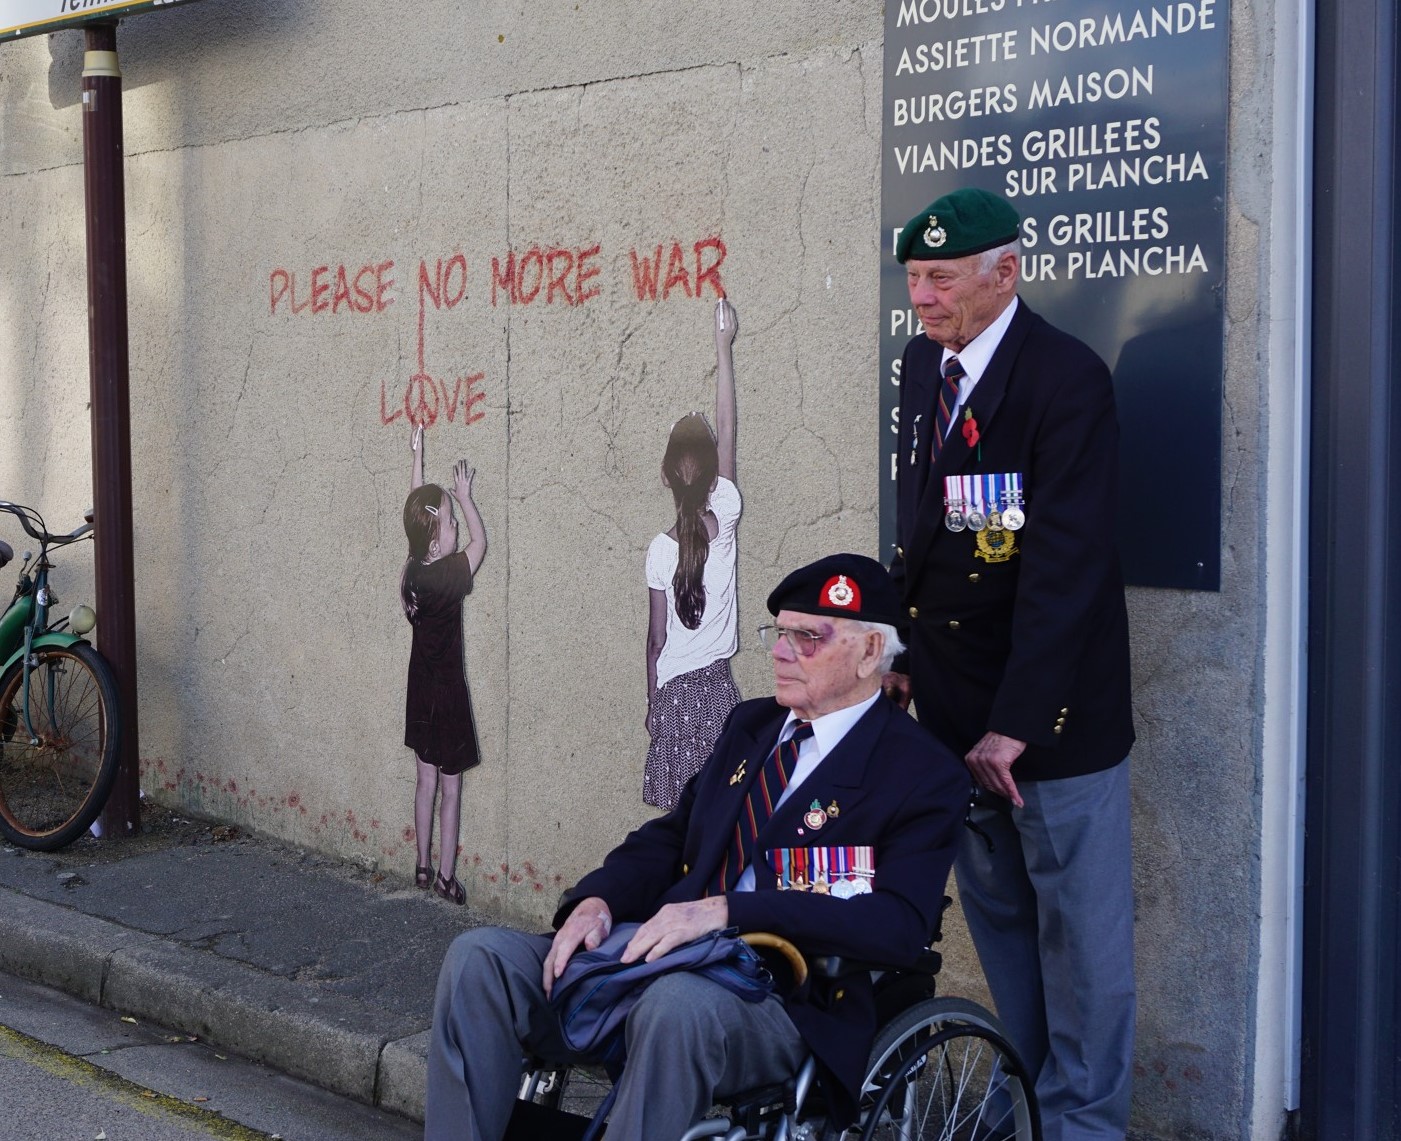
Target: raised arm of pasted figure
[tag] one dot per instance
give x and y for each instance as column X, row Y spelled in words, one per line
column 462, row 476
column 416, row 446
column 726, row 326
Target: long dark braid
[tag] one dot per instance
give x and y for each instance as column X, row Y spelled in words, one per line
column 690, row 466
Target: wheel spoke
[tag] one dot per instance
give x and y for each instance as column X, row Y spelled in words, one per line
column 52, row 784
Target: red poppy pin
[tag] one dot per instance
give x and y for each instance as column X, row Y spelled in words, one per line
column 970, row 427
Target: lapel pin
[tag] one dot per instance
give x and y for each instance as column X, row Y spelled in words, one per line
column 815, row 817
column 833, row 811
column 739, row 772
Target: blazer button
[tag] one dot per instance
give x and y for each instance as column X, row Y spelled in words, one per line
column 1065, row 710
column 900, row 551
column 974, row 577
column 841, row 994
column 914, row 611
column 953, row 624
column 1058, row 729
column 685, row 869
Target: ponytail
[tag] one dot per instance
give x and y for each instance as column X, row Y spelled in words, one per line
column 690, row 466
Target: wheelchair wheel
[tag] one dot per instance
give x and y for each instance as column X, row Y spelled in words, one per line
column 944, row 1071
column 579, row 1090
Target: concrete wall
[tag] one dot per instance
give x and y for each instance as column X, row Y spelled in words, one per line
column 271, row 449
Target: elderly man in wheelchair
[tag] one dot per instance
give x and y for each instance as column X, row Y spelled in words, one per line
column 826, row 818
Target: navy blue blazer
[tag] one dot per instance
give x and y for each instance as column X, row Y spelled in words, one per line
column 896, row 788
column 1036, row 646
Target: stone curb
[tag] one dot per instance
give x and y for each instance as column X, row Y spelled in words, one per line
column 335, row 1042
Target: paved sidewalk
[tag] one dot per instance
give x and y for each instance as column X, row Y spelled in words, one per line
column 321, row 970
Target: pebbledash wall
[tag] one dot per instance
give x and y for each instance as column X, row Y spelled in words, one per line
column 513, row 220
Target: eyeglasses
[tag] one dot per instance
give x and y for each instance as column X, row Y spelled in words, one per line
column 804, row 643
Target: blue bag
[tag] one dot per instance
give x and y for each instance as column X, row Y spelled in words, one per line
column 594, row 994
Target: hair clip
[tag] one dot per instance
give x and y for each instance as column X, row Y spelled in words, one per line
column 433, row 511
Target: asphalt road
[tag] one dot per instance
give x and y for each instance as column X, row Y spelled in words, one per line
column 73, row 1072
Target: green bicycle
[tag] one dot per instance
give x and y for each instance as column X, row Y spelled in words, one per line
column 59, row 719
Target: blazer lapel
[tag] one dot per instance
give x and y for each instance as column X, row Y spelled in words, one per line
column 843, row 769
column 732, row 786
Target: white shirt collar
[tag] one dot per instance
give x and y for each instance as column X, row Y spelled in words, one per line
column 977, row 353
column 827, row 732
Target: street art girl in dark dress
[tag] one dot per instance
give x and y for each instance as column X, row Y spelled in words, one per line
column 438, row 723
column 692, row 612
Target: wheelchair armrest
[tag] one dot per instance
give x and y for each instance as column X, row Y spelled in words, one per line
column 834, row 966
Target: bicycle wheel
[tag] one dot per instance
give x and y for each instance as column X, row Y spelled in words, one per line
column 944, row 1071
column 54, row 783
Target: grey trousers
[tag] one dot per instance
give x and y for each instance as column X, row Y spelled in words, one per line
column 689, row 1040
column 1050, row 910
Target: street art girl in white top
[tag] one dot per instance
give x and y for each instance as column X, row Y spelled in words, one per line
column 692, row 615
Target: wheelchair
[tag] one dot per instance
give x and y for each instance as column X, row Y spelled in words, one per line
column 941, row 1069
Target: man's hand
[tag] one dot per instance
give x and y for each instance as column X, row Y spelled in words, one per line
column 675, row 924
column 588, row 925
column 991, row 763
column 897, row 688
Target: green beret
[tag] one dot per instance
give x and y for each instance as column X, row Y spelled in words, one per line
column 968, row 221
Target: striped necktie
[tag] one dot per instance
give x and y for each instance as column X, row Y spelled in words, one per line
column 763, row 798
column 948, row 401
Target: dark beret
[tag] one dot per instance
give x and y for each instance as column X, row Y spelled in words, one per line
column 965, row 222
column 842, row 586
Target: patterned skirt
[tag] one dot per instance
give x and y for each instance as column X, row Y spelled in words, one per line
column 690, row 711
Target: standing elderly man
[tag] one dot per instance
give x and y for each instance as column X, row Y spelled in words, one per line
column 1019, row 658
column 844, row 770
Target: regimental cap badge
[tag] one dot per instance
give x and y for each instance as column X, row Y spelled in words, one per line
column 935, row 236
column 843, row 586
column 841, row 593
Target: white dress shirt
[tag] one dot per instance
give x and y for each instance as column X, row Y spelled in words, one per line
column 827, row 733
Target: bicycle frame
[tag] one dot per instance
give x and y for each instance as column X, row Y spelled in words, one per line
column 24, row 626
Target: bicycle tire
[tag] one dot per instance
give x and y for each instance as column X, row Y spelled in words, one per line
column 53, row 788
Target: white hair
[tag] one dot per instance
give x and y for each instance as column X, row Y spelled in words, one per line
column 891, row 646
column 989, row 258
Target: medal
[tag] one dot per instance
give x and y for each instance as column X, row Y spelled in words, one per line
column 977, row 521
column 994, row 520
column 1013, row 517
column 814, row 818
column 996, row 546
column 954, row 519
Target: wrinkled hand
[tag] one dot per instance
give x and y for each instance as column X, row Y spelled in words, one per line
column 462, row 475
column 990, row 761
column 726, row 323
column 675, row 924
column 588, row 925
column 896, row 687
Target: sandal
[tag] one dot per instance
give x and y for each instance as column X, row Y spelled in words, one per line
column 450, row 890
column 422, row 877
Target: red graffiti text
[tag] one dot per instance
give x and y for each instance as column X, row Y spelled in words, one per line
column 708, row 254
column 552, row 271
column 355, row 290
